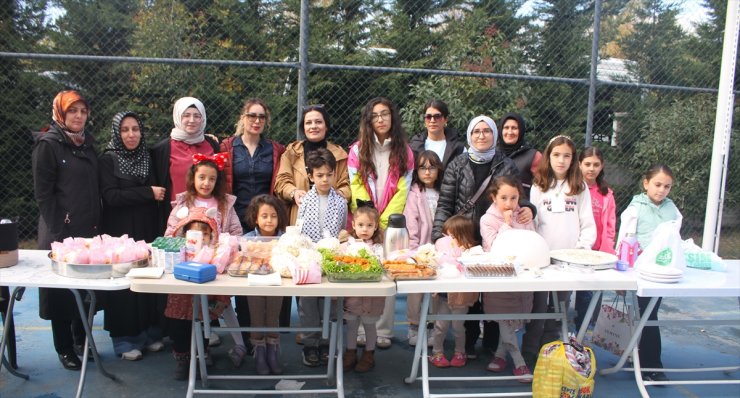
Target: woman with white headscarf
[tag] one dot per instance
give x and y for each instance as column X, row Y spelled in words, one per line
column 172, row 156
column 464, row 176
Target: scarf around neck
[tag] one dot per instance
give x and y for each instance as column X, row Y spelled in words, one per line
column 177, row 133
column 474, row 154
column 135, row 162
column 59, row 109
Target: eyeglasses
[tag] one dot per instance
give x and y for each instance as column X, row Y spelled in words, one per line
column 436, row 116
column 309, row 108
column 424, row 169
column 386, row 115
column 482, row 133
column 252, row 117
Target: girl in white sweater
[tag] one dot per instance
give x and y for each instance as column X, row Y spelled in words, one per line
column 564, row 218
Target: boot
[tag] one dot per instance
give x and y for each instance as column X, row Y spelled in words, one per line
column 273, row 348
column 367, row 361
column 350, row 360
column 182, row 365
column 260, row 359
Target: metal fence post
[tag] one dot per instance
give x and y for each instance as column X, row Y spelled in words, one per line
column 303, row 69
column 593, row 77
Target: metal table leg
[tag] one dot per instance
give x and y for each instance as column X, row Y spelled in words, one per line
column 421, row 340
column 17, row 292
column 87, row 320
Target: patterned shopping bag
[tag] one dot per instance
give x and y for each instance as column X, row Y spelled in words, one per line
column 613, row 327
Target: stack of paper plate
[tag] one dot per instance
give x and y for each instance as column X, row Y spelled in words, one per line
column 660, row 274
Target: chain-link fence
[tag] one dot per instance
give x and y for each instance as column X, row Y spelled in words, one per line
column 655, row 82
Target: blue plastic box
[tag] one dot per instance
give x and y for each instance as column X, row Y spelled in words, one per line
column 195, row 272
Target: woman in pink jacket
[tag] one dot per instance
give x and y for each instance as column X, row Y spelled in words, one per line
column 419, row 212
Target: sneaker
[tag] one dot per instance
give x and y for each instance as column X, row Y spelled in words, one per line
column 133, row 355
column 324, row 354
column 311, row 357
column 361, row 341
column 458, row 360
column 439, row 360
column 214, row 340
column 655, row 376
column 497, row 365
column 413, row 336
column 524, row 373
column 383, row 342
column 155, row 347
column 236, row 354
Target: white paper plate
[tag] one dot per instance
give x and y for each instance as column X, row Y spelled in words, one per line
column 147, row 272
column 660, row 270
column 659, row 280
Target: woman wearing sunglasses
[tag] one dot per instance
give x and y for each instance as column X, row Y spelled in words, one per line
column 251, row 171
column 438, row 137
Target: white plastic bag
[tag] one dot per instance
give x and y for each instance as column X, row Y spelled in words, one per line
column 665, row 248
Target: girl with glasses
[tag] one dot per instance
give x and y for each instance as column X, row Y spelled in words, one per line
column 419, row 211
column 380, row 167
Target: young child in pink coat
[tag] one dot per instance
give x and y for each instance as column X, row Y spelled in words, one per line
column 505, row 192
column 419, row 212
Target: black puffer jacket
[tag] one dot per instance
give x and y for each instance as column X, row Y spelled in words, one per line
column 458, row 186
column 455, row 145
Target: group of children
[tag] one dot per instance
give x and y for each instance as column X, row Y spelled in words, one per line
column 575, row 209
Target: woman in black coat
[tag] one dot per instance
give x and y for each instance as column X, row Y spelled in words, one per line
column 130, row 207
column 464, row 175
column 65, row 180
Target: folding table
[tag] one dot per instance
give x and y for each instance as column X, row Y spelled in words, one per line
column 695, row 283
column 554, row 278
column 237, row 286
column 34, row 270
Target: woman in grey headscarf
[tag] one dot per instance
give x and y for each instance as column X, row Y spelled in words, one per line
column 130, row 207
column 463, row 177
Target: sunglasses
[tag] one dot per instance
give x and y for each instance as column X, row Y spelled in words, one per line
column 435, row 116
column 309, row 108
column 252, row 117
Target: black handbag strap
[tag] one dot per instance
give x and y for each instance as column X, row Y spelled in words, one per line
column 471, row 202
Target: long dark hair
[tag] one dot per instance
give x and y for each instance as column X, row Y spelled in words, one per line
column 399, row 156
column 219, row 189
column 433, row 160
column 600, row 180
column 545, row 178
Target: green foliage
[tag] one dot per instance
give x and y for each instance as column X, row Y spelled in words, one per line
column 681, row 136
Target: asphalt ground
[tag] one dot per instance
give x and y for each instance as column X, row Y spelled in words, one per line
column 152, row 376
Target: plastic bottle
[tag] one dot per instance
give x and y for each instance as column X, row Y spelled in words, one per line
column 629, row 249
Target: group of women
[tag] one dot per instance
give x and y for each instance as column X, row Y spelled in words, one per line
column 129, row 187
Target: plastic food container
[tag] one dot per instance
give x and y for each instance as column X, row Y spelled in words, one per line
column 342, row 277
column 254, row 256
column 95, row 271
column 477, row 267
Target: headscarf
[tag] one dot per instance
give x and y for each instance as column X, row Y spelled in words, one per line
column 133, row 162
column 508, row 149
column 178, row 134
column 474, row 154
column 59, row 108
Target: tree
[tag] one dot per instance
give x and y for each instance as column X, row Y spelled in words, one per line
column 26, row 105
column 563, row 50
